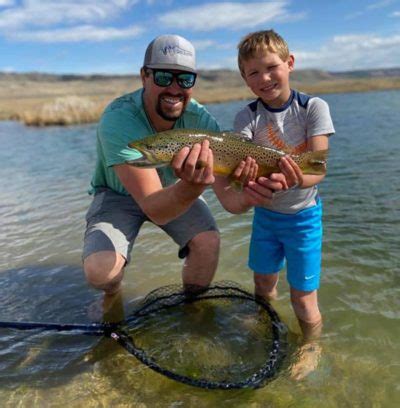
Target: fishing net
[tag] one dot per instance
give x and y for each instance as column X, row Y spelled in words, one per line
column 219, row 338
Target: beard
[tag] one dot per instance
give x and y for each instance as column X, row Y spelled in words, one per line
column 171, row 114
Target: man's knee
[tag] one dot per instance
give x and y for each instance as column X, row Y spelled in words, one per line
column 205, row 243
column 104, row 270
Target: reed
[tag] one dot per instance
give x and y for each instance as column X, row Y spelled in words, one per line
column 68, row 110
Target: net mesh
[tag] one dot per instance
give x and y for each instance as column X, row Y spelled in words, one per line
column 223, row 337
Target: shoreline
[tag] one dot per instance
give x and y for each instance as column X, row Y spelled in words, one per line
column 43, row 102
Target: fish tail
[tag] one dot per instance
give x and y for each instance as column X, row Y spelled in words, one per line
column 314, row 162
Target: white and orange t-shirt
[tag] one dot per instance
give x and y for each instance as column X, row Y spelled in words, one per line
column 287, row 128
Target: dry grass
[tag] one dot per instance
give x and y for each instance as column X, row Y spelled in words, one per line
column 66, row 110
column 53, row 101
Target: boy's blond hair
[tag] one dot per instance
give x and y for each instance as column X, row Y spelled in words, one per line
column 259, row 43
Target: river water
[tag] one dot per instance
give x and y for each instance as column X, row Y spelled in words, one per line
column 45, row 173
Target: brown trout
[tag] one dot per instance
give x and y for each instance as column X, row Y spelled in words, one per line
column 228, row 150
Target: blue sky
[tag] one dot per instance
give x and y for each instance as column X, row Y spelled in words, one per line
column 110, row 36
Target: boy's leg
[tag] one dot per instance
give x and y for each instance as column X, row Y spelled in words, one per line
column 303, row 247
column 266, row 285
column 305, row 306
column 266, row 257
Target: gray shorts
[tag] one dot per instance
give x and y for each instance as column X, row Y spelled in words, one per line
column 113, row 222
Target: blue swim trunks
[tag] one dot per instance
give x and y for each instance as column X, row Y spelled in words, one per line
column 294, row 237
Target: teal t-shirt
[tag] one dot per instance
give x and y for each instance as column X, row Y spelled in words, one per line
column 125, row 120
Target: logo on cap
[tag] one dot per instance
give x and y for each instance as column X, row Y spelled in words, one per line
column 174, row 49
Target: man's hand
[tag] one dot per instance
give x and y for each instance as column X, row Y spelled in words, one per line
column 195, row 166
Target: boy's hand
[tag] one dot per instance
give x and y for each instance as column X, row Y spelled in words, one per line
column 195, row 165
column 245, row 171
column 291, row 171
column 260, row 192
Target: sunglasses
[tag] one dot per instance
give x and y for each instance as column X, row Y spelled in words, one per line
column 185, row 80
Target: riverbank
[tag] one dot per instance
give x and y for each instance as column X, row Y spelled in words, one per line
column 40, row 99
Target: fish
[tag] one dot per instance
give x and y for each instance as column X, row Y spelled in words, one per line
column 229, row 149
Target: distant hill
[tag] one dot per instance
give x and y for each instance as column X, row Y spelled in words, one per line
column 370, row 73
column 224, row 75
column 43, row 98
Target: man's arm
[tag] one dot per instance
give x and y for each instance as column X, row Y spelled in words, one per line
column 160, row 204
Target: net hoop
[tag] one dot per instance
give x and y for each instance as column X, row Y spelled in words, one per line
column 230, row 290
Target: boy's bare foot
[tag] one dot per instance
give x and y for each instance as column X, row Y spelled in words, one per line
column 308, row 357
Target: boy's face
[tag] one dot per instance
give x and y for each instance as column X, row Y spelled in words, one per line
column 268, row 77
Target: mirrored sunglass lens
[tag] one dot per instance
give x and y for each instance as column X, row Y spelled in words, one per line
column 186, row 80
column 163, row 78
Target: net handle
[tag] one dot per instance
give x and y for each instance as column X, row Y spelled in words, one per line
column 94, row 328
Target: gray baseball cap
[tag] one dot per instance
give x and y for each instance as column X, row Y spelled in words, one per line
column 170, row 52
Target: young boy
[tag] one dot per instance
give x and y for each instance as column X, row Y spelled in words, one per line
column 290, row 226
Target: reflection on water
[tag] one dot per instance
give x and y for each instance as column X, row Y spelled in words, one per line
column 45, row 174
column 43, row 294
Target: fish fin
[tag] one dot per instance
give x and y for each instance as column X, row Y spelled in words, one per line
column 200, row 164
column 315, row 162
column 235, row 184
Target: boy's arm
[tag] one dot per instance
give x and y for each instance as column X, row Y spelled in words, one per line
column 291, row 170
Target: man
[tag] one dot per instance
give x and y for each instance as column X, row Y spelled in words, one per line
column 125, row 197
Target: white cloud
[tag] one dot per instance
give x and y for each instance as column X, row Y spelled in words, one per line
column 33, row 13
column 348, row 52
column 380, row 4
column 200, row 45
column 6, row 70
column 76, row 34
column 223, row 15
column 6, row 3
column 65, row 20
column 370, row 8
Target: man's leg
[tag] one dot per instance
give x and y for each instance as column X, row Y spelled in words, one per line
column 197, row 235
column 113, row 221
column 104, row 271
column 202, row 260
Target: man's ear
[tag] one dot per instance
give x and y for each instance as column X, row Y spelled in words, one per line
column 142, row 75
